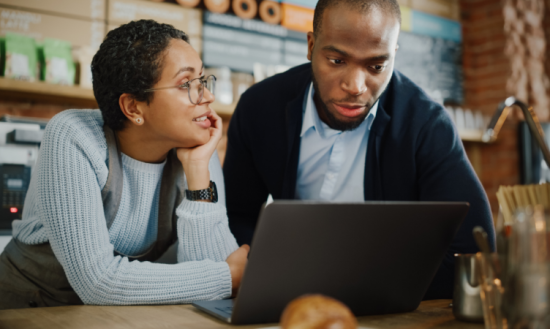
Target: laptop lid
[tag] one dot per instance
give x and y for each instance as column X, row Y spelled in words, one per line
column 376, row 257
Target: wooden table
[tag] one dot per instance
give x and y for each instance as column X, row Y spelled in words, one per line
column 430, row 314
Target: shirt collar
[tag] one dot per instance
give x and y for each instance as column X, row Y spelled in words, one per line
column 311, row 117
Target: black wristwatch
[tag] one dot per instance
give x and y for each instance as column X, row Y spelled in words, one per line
column 210, row 194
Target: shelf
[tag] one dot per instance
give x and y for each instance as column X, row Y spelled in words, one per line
column 41, row 91
column 74, row 95
column 470, row 135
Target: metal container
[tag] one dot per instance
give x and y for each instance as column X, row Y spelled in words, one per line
column 466, row 299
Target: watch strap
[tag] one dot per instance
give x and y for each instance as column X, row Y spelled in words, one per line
column 210, row 193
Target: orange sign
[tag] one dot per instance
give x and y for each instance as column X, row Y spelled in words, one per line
column 297, row 18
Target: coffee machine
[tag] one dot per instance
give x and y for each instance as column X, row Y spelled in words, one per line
column 19, row 144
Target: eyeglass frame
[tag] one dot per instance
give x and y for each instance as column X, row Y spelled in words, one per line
column 186, row 85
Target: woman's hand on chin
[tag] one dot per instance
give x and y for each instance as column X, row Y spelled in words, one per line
column 195, row 159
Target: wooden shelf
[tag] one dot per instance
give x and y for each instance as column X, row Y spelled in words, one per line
column 470, row 135
column 41, row 91
column 75, row 95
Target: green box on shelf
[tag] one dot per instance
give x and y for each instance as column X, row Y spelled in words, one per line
column 20, row 57
column 2, row 55
column 40, row 59
column 58, row 66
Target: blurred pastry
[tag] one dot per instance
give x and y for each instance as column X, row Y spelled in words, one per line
column 317, row 312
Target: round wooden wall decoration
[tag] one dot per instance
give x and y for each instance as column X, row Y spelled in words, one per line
column 245, row 9
column 187, row 3
column 217, row 6
column 270, row 12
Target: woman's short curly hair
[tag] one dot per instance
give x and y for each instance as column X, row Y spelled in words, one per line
column 130, row 61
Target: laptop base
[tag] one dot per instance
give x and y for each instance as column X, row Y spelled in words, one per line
column 220, row 309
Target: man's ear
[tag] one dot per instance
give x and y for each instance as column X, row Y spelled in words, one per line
column 310, row 43
column 131, row 109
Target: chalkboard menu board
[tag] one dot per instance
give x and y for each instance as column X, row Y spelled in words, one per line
column 434, row 64
column 238, row 44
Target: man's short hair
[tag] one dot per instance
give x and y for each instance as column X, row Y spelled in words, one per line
column 130, row 61
column 387, row 6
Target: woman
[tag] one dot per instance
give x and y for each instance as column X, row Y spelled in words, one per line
column 107, row 194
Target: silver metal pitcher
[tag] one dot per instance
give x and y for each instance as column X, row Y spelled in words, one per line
column 466, row 299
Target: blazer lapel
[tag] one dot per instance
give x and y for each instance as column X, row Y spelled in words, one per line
column 373, row 176
column 293, row 118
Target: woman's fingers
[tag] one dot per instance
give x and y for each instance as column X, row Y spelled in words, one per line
column 216, row 128
column 216, row 121
column 203, row 153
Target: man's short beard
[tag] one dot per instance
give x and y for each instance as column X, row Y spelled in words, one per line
column 333, row 122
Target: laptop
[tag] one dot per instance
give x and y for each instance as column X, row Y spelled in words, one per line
column 375, row 257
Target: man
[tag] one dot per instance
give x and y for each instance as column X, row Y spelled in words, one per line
column 347, row 127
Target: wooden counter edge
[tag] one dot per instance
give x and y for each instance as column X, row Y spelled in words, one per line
column 430, row 314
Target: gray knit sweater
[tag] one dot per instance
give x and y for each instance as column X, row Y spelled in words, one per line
column 64, row 206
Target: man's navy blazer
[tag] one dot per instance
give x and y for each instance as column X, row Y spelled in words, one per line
column 414, row 154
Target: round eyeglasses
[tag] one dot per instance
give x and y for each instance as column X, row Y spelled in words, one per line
column 195, row 88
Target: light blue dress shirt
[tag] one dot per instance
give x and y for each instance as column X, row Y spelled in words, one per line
column 332, row 162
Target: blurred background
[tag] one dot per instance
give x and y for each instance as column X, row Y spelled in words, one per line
column 468, row 55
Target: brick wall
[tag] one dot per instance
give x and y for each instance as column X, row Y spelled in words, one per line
column 496, row 164
column 486, row 70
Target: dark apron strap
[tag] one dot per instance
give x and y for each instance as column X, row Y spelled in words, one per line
column 111, row 194
column 170, row 197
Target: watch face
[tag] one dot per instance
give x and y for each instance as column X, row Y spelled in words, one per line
column 214, row 192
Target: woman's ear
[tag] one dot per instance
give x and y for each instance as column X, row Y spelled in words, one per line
column 131, row 109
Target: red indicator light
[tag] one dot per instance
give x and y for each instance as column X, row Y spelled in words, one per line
column 13, row 210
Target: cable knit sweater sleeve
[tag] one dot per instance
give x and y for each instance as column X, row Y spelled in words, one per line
column 71, row 210
column 203, row 239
